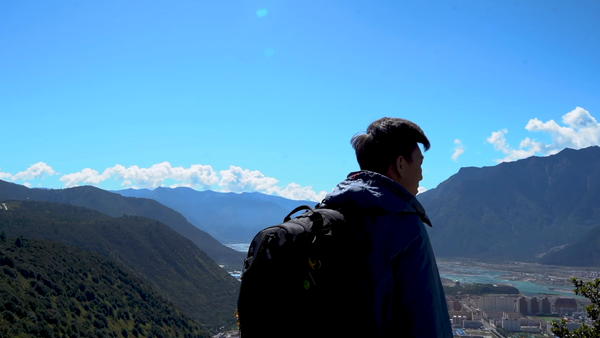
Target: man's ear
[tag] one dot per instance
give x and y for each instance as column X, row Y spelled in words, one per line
column 399, row 162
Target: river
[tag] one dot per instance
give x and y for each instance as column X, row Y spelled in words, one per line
column 486, row 276
column 473, row 274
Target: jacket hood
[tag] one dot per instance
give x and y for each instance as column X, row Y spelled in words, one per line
column 372, row 190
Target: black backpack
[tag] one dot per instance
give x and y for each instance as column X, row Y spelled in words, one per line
column 305, row 277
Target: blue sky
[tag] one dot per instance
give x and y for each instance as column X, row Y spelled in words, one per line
column 266, row 95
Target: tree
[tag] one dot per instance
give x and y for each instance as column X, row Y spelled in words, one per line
column 591, row 291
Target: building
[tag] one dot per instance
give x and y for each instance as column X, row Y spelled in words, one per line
column 491, row 315
column 458, row 321
column 467, row 314
column 495, row 317
column 533, row 305
column 531, row 329
column 522, row 306
column 453, row 304
column 565, row 306
column 546, row 306
column 497, row 303
column 526, row 321
column 511, row 325
column 472, row 324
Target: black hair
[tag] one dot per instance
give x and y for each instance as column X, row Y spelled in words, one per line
column 385, row 140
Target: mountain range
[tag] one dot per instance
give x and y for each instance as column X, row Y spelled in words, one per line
column 539, row 209
column 228, row 217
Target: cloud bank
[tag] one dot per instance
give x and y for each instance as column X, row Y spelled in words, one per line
column 203, row 177
column 197, row 176
column 581, row 130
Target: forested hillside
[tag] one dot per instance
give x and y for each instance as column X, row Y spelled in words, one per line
column 171, row 264
column 48, row 289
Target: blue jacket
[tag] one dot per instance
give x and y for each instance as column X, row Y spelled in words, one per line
column 402, row 280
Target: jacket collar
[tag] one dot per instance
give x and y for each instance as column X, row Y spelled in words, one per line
column 371, row 190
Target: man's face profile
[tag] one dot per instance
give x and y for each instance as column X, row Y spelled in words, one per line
column 411, row 172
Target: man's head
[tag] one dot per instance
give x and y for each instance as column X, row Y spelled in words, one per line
column 390, row 147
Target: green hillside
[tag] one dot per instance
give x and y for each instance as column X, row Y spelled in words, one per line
column 116, row 205
column 49, row 289
column 171, row 264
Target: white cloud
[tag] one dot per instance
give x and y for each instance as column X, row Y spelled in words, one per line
column 234, row 179
column 196, row 176
column 27, row 184
column 581, row 130
column 498, row 140
column 37, row 170
column 86, row 176
column 458, row 150
column 421, row 190
column 237, row 179
column 5, row 175
column 295, row 191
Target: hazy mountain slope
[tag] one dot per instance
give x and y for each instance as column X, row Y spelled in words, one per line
column 116, row 205
column 49, row 289
column 584, row 252
column 162, row 258
column 516, row 210
column 229, row 217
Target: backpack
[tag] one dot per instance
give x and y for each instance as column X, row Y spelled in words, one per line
column 305, row 277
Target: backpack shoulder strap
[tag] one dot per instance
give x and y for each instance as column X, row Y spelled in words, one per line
column 302, row 207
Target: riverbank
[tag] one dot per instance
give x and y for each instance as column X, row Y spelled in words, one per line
column 530, row 278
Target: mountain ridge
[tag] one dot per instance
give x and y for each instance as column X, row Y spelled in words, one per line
column 516, row 210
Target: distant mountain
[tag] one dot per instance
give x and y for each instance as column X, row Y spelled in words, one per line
column 116, row 205
column 49, row 289
column 518, row 210
column 162, row 258
column 229, row 217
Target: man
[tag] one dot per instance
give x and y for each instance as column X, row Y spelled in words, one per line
column 402, row 278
